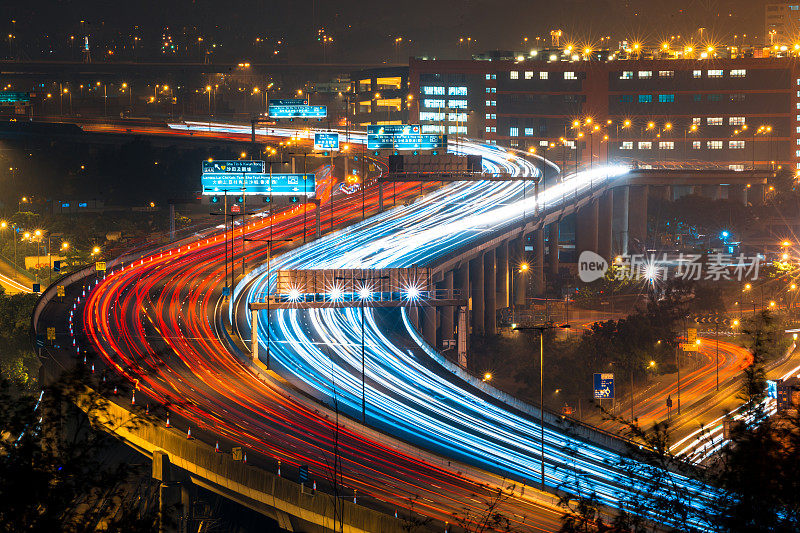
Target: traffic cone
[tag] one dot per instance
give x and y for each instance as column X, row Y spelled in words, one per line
column 189, row 433
column 216, row 447
column 395, row 513
column 314, row 485
column 92, row 368
column 168, row 424
column 133, row 398
column 147, row 409
column 115, row 390
column 279, row 468
column 245, row 458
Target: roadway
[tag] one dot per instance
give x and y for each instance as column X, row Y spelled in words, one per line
column 156, row 321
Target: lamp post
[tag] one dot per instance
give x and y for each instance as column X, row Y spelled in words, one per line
column 365, row 292
column 541, row 329
column 269, row 275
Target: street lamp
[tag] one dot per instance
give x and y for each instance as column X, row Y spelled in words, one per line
column 541, row 329
column 269, row 256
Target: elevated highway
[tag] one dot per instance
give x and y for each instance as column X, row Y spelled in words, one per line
column 161, row 319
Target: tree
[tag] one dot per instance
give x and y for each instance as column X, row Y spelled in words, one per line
column 488, row 515
column 55, row 474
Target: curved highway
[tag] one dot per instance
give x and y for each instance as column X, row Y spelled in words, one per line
column 156, row 321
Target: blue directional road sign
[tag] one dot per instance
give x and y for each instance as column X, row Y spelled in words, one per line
column 296, row 108
column 233, row 167
column 425, row 141
column 393, row 129
column 603, row 386
column 281, row 184
column 326, row 141
column 14, row 98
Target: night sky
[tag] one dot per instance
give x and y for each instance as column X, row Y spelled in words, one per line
column 363, row 31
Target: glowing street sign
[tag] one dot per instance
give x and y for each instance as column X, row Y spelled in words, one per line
column 259, row 184
column 393, row 129
column 14, row 98
column 603, row 386
column 100, row 266
column 414, row 141
column 326, row 141
column 233, row 167
column 296, row 108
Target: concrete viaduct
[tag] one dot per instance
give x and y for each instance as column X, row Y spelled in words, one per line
column 608, row 220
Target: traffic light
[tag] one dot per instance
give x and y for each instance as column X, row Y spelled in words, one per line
column 294, row 199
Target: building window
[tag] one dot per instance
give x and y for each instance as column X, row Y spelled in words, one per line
column 645, row 98
column 488, row 129
column 458, row 91
column 738, row 73
column 645, row 145
column 645, row 74
column 494, row 103
column 514, row 75
column 714, row 121
column 457, row 117
column 736, row 145
column 696, row 145
column 543, row 75
column 697, row 74
column 456, row 129
column 714, row 145
column 528, row 132
column 570, row 76
column 737, row 168
column 696, row 121
column 666, row 73
column 735, row 121
column 544, row 143
column 626, row 145
column 626, row 75
column 626, row 98
column 488, row 77
column 528, row 75
column 666, row 98
column 433, row 103
column 432, row 128
column 458, row 104
column 428, row 115
column 513, row 131
column 491, row 116
column 714, row 73
column 433, row 90
column 666, row 145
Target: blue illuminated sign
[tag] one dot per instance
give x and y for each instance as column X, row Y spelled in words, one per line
column 296, row 108
column 603, row 386
column 215, row 184
column 392, row 129
column 233, row 167
column 326, row 141
column 426, row 141
column 14, row 98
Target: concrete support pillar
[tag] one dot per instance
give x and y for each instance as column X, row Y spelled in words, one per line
column 604, row 223
column 293, row 165
column 738, row 194
column 317, row 222
column 637, row 219
column 429, row 324
column 520, row 281
column 552, row 243
column 537, row 268
column 462, row 337
column 710, row 191
column 447, row 314
column 619, row 220
column 586, row 229
column 502, row 276
column 490, row 293
column 254, row 334
column 476, row 294
column 380, row 197
column 413, row 316
column 755, row 194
